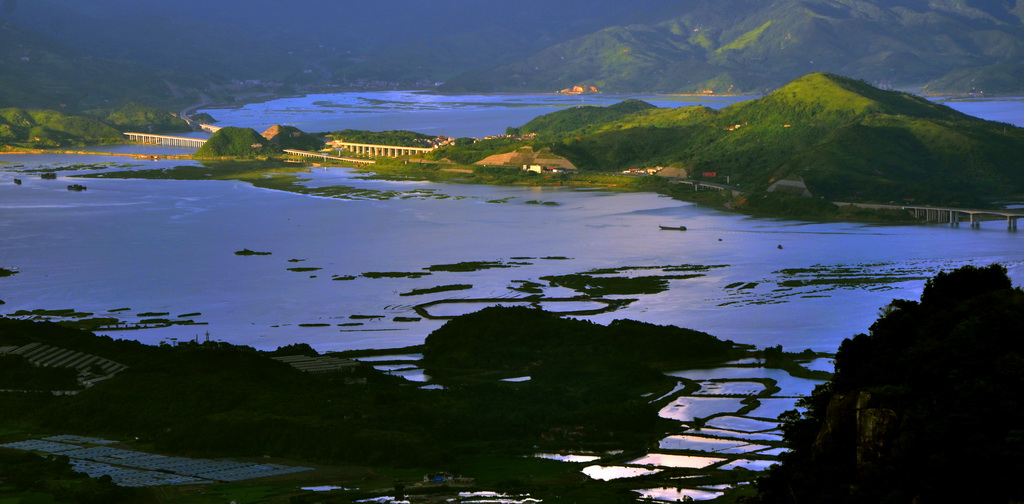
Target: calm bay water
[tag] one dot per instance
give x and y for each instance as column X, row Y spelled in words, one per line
column 456, row 116
column 167, row 246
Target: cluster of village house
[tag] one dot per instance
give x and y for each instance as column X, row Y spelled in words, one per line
column 643, row 171
column 528, row 136
column 578, row 90
column 536, row 168
column 444, row 141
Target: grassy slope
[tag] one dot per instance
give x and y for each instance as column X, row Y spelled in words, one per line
column 236, row 142
column 50, row 128
column 584, row 119
column 846, row 139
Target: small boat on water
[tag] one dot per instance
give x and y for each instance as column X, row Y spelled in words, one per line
column 673, row 228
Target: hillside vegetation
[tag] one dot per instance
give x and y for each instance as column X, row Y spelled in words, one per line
column 49, row 128
column 744, row 46
column 841, row 138
column 580, row 120
column 290, row 137
column 216, row 399
column 136, row 116
column 391, row 137
column 925, row 407
column 238, row 143
column 52, row 128
column 847, row 140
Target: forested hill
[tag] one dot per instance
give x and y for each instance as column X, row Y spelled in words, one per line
column 926, row 407
column 582, row 119
column 842, row 138
column 750, row 46
column 237, row 142
column 31, row 128
column 218, row 399
column 89, row 54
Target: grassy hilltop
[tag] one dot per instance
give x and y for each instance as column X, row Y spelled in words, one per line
column 238, row 143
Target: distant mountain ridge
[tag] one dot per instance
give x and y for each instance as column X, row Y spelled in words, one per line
column 106, row 52
column 752, row 46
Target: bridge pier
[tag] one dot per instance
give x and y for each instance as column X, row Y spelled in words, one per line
column 165, row 140
column 380, row 150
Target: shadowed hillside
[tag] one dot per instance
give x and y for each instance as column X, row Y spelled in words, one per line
column 926, row 407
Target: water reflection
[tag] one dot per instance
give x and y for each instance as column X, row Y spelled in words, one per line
column 736, row 423
column 567, row 458
column 678, row 494
column 750, row 436
column 402, row 357
column 698, row 443
column 730, row 388
column 608, row 473
column 665, row 460
column 772, row 407
column 750, row 465
column 790, row 385
column 688, row 409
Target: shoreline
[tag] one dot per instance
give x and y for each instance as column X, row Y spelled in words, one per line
column 620, row 184
column 94, row 153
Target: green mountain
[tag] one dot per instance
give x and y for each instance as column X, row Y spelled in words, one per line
column 237, row 142
column 49, row 128
column 138, row 117
column 96, row 54
column 926, row 407
column 290, row 137
column 37, row 71
column 749, row 46
column 582, row 119
column 842, row 138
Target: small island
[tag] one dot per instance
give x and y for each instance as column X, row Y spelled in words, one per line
column 247, row 252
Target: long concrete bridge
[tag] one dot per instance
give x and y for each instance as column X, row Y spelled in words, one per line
column 953, row 216
column 380, row 150
column 321, row 155
column 950, row 215
column 698, row 185
column 166, row 140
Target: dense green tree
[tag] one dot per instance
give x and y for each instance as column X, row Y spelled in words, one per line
column 927, row 407
column 237, row 142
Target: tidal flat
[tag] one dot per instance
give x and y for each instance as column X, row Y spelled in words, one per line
column 190, row 220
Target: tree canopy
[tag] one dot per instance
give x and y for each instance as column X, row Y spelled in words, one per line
column 926, row 407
